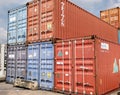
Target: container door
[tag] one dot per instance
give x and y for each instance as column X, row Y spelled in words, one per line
column 33, row 22
column 33, row 62
column 12, row 27
column 63, row 66
column 11, row 64
column 46, row 65
column 46, row 23
column 21, row 62
column 21, row 27
column 84, row 69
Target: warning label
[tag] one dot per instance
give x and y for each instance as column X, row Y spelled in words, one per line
column 60, row 53
column 115, row 66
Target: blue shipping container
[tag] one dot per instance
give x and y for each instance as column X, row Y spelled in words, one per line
column 40, row 65
column 17, row 23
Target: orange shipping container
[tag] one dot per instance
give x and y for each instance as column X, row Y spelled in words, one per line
column 111, row 16
column 61, row 19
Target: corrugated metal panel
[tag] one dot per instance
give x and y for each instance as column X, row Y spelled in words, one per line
column 107, row 66
column 17, row 25
column 95, row 64
column 10, row 75
column 74, row 21
column 21, row 62
column 61, row 19
column 46, row 65
column 33, row 62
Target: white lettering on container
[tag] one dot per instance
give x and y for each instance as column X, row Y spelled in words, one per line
column 62, row 13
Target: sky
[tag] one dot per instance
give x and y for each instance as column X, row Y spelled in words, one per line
column 92, row 6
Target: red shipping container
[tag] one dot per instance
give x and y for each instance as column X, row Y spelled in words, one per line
column 87, row 65
column 61, row 19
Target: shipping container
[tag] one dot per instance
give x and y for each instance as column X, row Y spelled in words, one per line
column 88, row 65
column 111, row 16
column 61, row 19
column 2, row 61
column 16, row 63
column 17, row 24
column 21, row 61
column 11, row 61
column 46, row 65
column 40, row 64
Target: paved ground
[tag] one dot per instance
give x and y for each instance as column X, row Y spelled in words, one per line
column 8, row 89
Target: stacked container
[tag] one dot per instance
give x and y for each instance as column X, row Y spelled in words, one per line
column 35, row 29
column 51, row 20
column 16, row 39
column 40, row 59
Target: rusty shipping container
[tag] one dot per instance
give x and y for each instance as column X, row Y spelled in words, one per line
column 87, row 66
column 111, row 16
column 61, row 19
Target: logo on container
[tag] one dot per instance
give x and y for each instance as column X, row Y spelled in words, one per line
column 105, row 46
column 62, row 13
